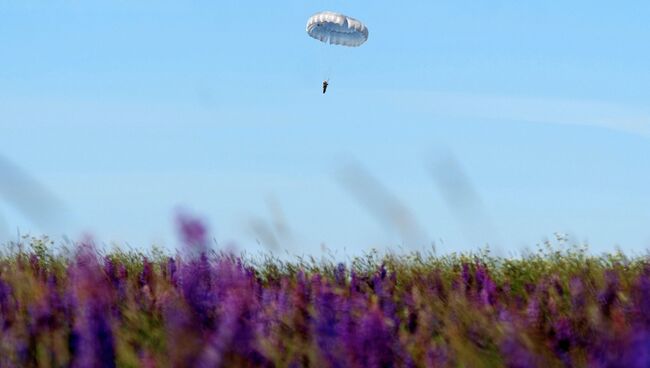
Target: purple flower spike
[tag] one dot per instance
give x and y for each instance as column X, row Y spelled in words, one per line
column 197, row 290
column 375, row 342
column 608, row 297
column 8, row 307
column 327, row 329
column 486, row 287
column 96, row 346
column 355, row 284
column 5, row 294
column 172, row 273
column 637, row 353
column 382, row 271
column 340, row 275
column 562, row 340
column 146, row 276
column 437, row 357
column 516, row 355
column 466, row 276
column 642, row 298
column 577, row 291
column 193, row 232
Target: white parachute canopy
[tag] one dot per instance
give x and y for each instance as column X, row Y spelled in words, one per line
column 337, row 29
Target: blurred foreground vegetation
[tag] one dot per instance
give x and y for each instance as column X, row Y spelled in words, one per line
column 559, row 306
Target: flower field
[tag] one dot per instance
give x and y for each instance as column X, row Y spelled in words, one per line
column 81, row 307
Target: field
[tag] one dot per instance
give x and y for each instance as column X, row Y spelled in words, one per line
column 82, row 307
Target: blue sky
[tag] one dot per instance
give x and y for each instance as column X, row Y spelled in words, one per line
column 496, row 123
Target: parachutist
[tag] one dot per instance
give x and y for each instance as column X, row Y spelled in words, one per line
column 336, row 29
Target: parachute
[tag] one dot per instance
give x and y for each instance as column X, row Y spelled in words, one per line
column 337, row 29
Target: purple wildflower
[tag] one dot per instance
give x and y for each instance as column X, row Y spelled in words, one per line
column 637, row 351
column 533, row 311
column 234, row 336
column 375, row 342
column 197, row 290
column 172, row 271
column 91, row 339
column 340, row 275
column 193, row 232
column 438, row 356
column 562, row 339
column 609, row 295
column 466, row 276
column 145, row 276
column 486, row 287
column 642, row 298
column 327, row 329
column 355, row 284
column 577, row 291
column 517, row 355
column 96, row 347
column 6, row 301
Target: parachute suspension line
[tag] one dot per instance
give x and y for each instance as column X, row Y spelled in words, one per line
column 325, row 62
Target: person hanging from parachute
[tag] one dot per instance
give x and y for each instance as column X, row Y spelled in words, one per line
column 336, row 29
